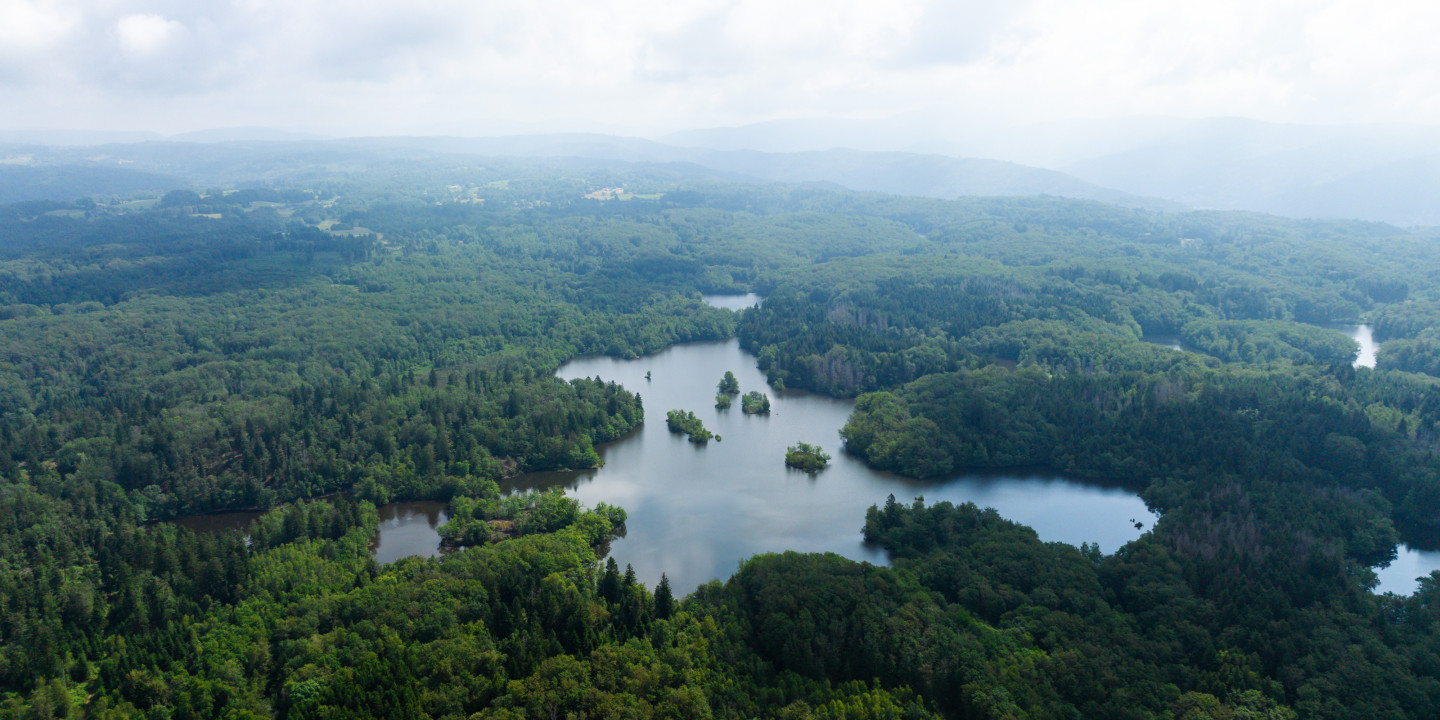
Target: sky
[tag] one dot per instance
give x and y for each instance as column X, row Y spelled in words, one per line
column 646, row 67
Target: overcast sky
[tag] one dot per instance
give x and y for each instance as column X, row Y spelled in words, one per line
column 473, row 67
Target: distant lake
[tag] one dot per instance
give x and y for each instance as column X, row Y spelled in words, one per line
column 1171, row 341
column 1409, row 564
column 1362, row 335
column 733, row 302
column 695, row 512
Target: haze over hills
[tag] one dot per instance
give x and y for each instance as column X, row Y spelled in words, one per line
column 252, row 161
column 1386, row 173
column 1382, row 172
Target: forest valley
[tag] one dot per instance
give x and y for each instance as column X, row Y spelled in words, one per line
column 328, row 343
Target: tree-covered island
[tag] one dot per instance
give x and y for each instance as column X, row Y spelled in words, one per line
column 755, row 403
column 685, row 422
column 807, row 457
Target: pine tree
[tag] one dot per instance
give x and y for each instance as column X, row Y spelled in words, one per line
column 610, row 582
column 664, row 599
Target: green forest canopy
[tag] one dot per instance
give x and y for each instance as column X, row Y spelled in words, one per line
column 395, row 334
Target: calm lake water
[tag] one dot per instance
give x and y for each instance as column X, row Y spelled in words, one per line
column 409, row 528
column 1362, row 335
column 1410, row 564
column 695, row 511
column 733, row 302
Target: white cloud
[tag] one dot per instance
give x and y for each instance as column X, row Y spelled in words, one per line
column 144, row 34
column 28, row 30
column 372, row 66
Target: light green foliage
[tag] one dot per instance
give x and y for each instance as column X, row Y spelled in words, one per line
column 729, row 385
column 1259, row 341
column 755, row 403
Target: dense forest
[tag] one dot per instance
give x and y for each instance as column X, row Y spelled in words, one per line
column 318, row 348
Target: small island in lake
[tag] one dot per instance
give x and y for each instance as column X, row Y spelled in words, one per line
column 807, row 457
column 489, row 518
column 684, row 421
column 722, row 401
column 729, row 385
column 755, row 403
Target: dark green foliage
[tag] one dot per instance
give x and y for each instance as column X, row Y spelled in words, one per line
column 394, row 333
column 807, row 457
column 664, row 599
column 1168, row 432
column 1418, row 355
column 729, row 385
column 685, row 422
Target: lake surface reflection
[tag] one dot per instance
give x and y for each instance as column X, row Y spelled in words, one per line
column 1401, row 576
column 695, row 512
column 1362, row 335
column 407, row 529
column 733, row 302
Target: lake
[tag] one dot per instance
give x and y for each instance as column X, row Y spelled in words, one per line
column 408, row 529
column 697, row 511
column 733, row 302
column 1400, row 576
column 1360, row 334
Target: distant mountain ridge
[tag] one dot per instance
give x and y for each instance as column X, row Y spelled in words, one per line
column 898, row 173
column 1386, row 173
column 1381, row 173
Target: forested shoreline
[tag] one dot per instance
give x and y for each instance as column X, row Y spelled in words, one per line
column 394, row 334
